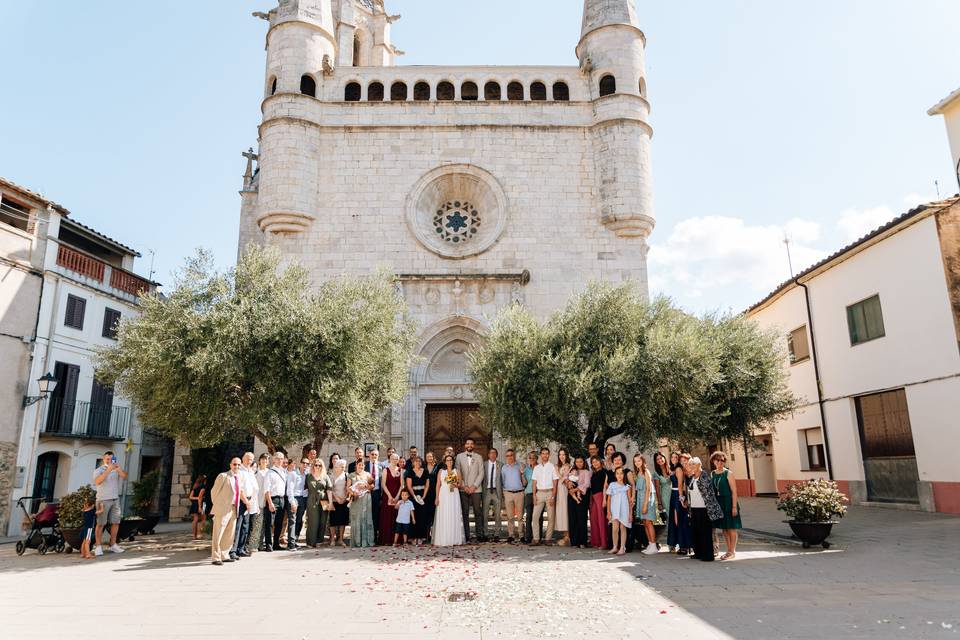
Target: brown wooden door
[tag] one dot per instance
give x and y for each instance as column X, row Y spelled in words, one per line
column 886, row 443
column 449, row 425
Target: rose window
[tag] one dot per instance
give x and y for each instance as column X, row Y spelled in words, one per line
column 456, row 221
column 457, row 210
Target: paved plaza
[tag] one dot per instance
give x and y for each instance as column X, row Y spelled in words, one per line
column 890, row 574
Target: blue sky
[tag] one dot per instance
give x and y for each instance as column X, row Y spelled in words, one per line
column 801, row 118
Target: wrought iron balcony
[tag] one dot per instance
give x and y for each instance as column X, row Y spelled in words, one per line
column 80, row 419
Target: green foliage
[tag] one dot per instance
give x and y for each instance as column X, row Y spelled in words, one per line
column 259, row 351
column 144, row 491
column 70, row 513
column 612, row 363
column 813, row 501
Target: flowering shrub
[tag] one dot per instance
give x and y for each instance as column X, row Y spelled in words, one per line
column 813, row 501
column 70, row 514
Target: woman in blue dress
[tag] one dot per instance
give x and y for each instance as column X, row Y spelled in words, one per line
column 678, row 526
column 646, row 504
column 618, row 510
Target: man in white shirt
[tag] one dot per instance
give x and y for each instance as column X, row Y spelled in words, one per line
column 492, row 495
column 545, row 478
column 249, row 506
column 294, row 502
column 106, row 478
column 275, row 491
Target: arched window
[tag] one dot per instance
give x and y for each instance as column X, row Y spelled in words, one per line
column 273, row 87
column 608, row 85
column 356, row 49
column 514, row 91
column 375, row 92
column 351, row 92
column 308, row 86
column 643, row 87
column 491, row 91
column 398, row 91
column 561, row 91
column 538, row 91
column 421, row 92
column 469, row 91
column 445, row 91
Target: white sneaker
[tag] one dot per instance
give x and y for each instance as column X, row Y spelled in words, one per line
column 650, row 550
column 98, row 550
column 116, row 548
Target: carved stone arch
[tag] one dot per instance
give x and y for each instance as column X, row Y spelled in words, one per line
column 438, row 344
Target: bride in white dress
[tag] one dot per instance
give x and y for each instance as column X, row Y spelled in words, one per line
column 448, row 524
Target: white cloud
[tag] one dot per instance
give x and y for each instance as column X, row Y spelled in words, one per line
column 724, row 262
column 856, row 223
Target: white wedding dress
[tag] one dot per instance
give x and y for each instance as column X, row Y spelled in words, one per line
column 448, row 523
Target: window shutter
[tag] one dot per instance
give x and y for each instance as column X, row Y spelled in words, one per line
column 76, row 307
column 110, row 319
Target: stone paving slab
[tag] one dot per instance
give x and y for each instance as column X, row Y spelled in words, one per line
column 890, row 575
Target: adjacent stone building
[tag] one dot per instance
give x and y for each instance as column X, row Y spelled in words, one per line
column 478, row 186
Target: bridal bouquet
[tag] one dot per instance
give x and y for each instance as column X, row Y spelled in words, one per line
column 451, row 480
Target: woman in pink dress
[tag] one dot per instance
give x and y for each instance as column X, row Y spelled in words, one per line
column 598, row 505
column 391, row 483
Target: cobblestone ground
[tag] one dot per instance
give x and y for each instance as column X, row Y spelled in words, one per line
column 890, row 575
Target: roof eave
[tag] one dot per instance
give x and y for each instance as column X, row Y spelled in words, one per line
column 943, row 105
column 875, row 236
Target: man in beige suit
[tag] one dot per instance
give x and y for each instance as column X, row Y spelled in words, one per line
column 225, row 501
column 470, row 469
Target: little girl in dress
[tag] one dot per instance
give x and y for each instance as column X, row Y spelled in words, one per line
column 618, row 511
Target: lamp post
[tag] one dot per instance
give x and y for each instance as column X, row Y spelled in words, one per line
column 47, row 384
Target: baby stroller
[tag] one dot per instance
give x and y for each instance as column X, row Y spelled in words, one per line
column 44, row 531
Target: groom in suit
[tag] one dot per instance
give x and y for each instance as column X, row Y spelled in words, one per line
column 225, row 500
column 470, row 469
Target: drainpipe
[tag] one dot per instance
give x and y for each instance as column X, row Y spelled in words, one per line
column 816, row 373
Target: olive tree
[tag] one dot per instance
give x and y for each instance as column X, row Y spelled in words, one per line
column 259, row 351
column 614, row 364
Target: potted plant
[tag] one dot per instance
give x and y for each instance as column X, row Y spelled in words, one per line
column 70, row 514
column 813, row 508
column 144, row 491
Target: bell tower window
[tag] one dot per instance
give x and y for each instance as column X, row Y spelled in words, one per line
column 608, row 85
column 308, row 86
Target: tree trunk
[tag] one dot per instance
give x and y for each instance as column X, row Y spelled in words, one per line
column 268, row 441
column 320, row 433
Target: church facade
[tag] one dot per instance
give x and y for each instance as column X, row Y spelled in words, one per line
column 479, row 186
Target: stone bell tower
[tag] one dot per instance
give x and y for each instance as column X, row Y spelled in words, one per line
column 611, row 54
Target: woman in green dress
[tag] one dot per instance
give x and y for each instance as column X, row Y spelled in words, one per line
column 359, row 486
column 319, row 503
column 661, row 478
column 725, row 486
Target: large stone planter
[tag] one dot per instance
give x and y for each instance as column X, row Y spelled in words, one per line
column 811, row 533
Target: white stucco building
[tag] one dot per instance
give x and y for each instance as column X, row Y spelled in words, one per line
column 876, row 328
column 64, row 289
column 476, row 185
column 949, row 108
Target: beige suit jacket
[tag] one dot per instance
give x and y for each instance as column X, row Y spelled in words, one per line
column 470, row 469
column 223, row 496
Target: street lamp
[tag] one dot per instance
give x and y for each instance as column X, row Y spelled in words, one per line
column 47, row 384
